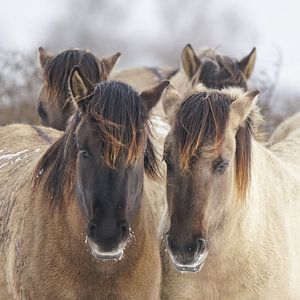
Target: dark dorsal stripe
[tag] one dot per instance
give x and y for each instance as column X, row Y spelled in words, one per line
column 43, row 135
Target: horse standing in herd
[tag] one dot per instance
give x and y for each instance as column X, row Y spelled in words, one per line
column 65, row 232
column 209, row 67
column 233, row 204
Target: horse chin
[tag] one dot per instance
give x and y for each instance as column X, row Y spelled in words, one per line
column 114, row 255
column 192, row 267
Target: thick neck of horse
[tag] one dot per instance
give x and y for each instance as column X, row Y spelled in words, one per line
column 247, row 218
column 181, row 83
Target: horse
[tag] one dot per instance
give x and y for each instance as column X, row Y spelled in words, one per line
column 78, row 215
column 232, row 229
column 211, row 68
column 54, row 103
column 286, row 129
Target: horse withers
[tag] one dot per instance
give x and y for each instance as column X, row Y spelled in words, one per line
column 78, row 218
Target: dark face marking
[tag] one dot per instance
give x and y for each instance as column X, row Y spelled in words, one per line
column 201, row 156
column 109, row 196
column 196, row 201
column 208, row 157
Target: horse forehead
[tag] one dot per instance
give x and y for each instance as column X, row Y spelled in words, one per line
column 207, row 52
column 87, row 133
column 86, row 125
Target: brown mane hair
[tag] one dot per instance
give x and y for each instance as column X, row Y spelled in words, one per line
column 199, row 129
column 119, row 115
column 58, row 69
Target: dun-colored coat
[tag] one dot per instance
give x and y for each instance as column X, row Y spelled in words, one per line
column 233, row 226
column 44, row 254
column 286, row 129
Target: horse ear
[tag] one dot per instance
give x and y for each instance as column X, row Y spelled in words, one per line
column 190, row 61
column 44, row 56
column 247, row 63
column 170, row 100
column 243, row 106
column 151, row 97
column 110, row 62
column 79, row 86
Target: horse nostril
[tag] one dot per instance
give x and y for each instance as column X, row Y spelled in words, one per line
column 124, row 229
column 168, row 241
column 91, row 229
column 193, row 248
column 200, row 244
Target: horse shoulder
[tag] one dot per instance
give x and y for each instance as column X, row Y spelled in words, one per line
column 21, row 147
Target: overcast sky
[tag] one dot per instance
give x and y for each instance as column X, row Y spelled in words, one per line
column 24, row 25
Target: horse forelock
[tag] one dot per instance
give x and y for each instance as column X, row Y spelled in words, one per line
column 200, row 125
column 219, row 71
column 200, row 128
column 120, row 118
column 58, row 69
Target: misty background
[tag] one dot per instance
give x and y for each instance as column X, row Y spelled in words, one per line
column 150, row 33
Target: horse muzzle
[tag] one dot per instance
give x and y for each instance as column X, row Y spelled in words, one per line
column 116, row 253
column 188, row 257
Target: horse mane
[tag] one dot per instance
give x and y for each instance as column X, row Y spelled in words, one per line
column 120, row 118
column 199, row 129
column 226, row 68
column 58, row 69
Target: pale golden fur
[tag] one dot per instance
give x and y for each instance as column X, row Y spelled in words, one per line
column 255, row 253
column 142, row 78
column 44, row 255
column 286, row 129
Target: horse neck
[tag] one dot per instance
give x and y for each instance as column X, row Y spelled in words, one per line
column 181, row 83
column 249, row 216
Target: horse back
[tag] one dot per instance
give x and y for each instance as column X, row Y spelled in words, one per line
column 21, row 147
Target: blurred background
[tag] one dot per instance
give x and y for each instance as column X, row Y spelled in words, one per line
column 150, row 33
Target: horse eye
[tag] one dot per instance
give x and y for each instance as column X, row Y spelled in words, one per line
column 168, row 162
column 42, row 112
column 221, row 167
column 84, row 153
